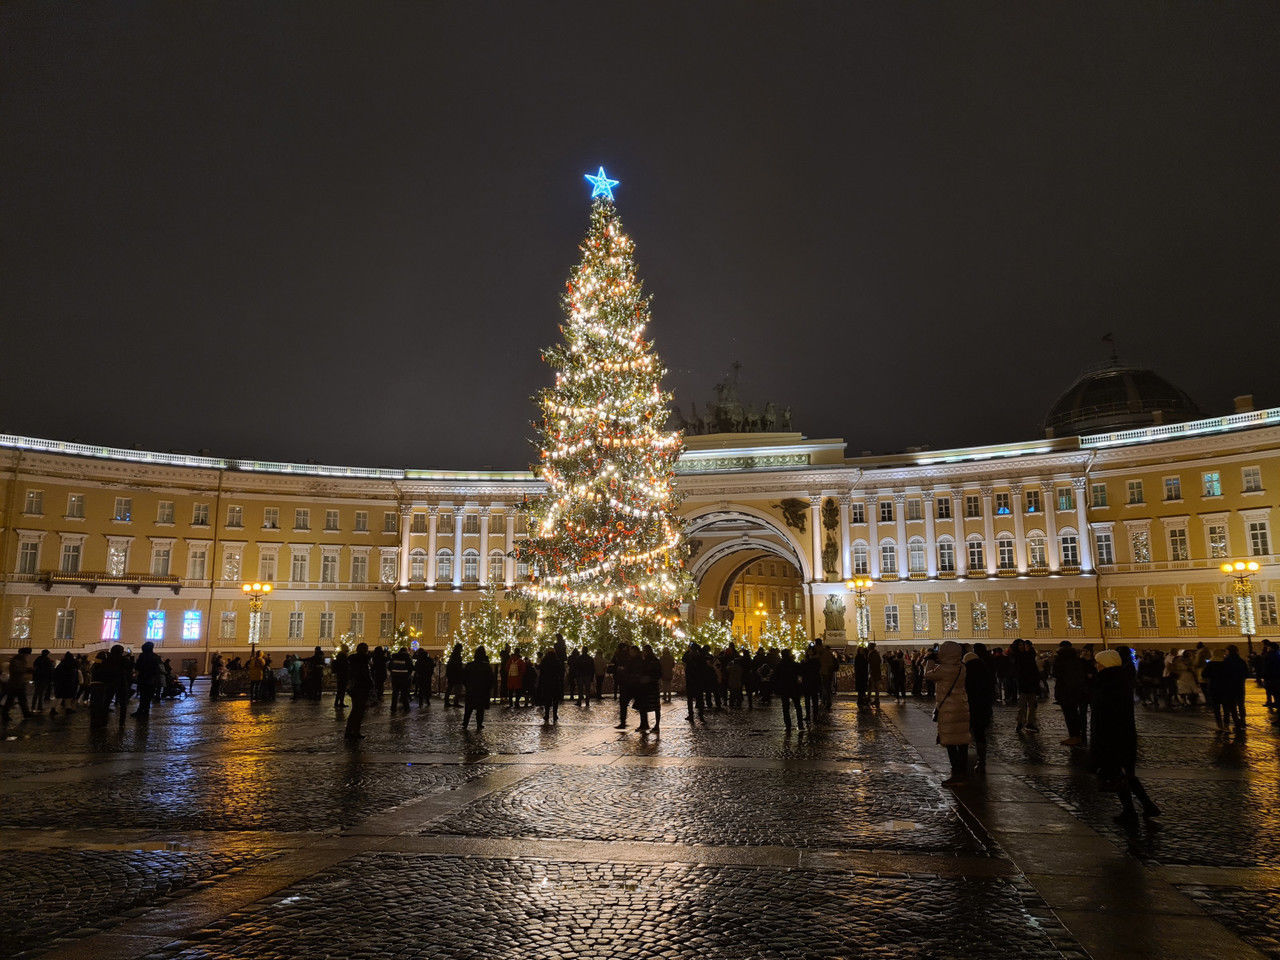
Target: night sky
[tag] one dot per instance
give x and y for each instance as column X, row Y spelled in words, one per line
column 340, row 233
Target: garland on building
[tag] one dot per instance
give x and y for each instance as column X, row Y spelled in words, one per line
column 606, row 535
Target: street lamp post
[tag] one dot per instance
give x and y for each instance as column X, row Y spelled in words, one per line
column 1241, row 572
column 862, row 616
column 255, row 592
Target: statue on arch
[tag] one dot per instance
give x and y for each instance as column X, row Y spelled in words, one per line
column 833, row 613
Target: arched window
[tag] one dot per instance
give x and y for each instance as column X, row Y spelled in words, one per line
column 1004, row 552
column 470, row 566
column 496, row 567
column 946, row 556
column 888, row 559
column 417, row 565
column 861, row 559
column 1037, row 550
column 444, row 564
column 915, row 555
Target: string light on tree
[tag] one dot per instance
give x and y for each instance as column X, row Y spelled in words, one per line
column 606, row 534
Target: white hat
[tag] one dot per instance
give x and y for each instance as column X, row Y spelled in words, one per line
column 1107, row 658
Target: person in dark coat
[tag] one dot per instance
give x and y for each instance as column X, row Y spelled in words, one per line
column 341, row 678
column 647, row 689
column 625, row 660
column 360, row 681
column 217, row 670
column 1114, row 740
column 811, row 685
column 1226, row 687
column 454, row 675
column 424, row 665
column 1070, row 691
column 692, row 661
column 478, row 680
column 400, row 669
column 1026, row 678
column 861, row 675
column 66, row 684
column 980, row 688
column 551, row 683
column 102, row 686
column 42, row 682
column 378, row 670
column 786, row 684
column 149, row 669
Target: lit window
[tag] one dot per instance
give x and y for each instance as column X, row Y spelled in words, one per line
column 387, row 568
column 155, row 625
column 1212, row 484
column 1009, row 615
column 1002, row 504
column 190, row 625
column 1075, row 614
column 920, row 617
column 35, row 503
column 1217, row 534
column 1186, row 608
column 1111, row 614
column 891, row 618
column 111, row 625
column 978, row 617
column 1226, row 610
column 124, row 509
column 950, row 618
column 1140, row 542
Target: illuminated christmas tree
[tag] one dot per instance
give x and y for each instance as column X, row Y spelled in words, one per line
column 605, row 535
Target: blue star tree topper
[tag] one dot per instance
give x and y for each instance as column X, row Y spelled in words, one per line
column 601, row 185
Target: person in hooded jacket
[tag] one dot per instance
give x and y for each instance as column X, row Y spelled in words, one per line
column 980, row 689
column 947, row 674
column 1114, row 736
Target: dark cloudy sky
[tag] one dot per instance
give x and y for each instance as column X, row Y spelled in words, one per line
column 340, row 232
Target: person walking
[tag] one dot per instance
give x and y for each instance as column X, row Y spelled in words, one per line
column 257, row 669
column 875, row 671
column 360, row 681
column 811, row 685
column 586, row 669
column 41, row 682
column 980, row 690
column 1114, row 740
column 1228, row 681
column 400, row 670
column 515, row 678
column 15, row 687
column 478, row 681
column 647, row 683
column 947, row 674
column 217, row 669
column 66, row 684
column 692, row 661
column 551, row 682
column 861, row 675
column 1026, row 678
column 148, row 669
column 1069, row 690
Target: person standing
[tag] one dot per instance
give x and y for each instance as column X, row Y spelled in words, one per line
column 400, row 669
column 875, row 671
column 361, row 683
column 341, row 668
column 1026, row 675
column 947, row 674
column 622, row 681
column 1069, row 690
column 378, row 669
column 601, row 665
column 1228, row 679
column 811, row 685
column 551, row 682
column 693, row 680
column 786, row 684
column 668, row 663
column 980, row 690
column 148, row 669
column 216, row 671
column 424, row 665
column 66, row 684
column 648, row 698
column 1114, row 740
column 42, row 681
column 294, row 667
column 15, row 688
column 453, row 675
column 478, row 682
column 861, row 675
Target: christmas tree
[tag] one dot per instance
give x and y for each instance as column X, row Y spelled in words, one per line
column 605, row 535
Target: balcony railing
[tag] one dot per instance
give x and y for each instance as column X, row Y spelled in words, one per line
column 92, row 579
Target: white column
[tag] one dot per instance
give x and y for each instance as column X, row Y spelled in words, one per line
column 1082, row 525
column 406, row 512
column 1047, row 488
column 988, row 530
column 962, row 545
column 873, row 535
column 457, row 546
column 432, row 513
column 508, row 546
column 1019, row 537
column 815, row 520
column 930, row 536
column 484, row 545
column 900, row 517
column 846, row 548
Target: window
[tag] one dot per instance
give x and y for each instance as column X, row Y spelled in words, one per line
column 497, row 568
column 197, row 562
column 1002, row 504
column 111, row 625
column 861, row 559
column 35, row 503
column 390, row 523
column 950, row 618
column 329, row 568
column 1147, row 613
column 1252, row 479
column 419, row 523
column 386, row 626
column 1178, row 549
column 302, row 519
column 1217, row 534
column 1004, row 553
column 1070, row 547
column 943, row 507
column 161, row 554
column 1172, row 488
column 75, row 506
column 1066, row 499
column 28, row 556
column 1098, row 495
column 915, row 556
column 890, row 618
column 888, row 559
column 946, row 557
column 522, row 569
column 362, row 521
column 266, row 568
column 418, row 565
column 1105, row 547
column 64, row 626
column 190, row 625
column 1037, row 553
column 295, row 625
column 1111, row 614
column 331, row 520
column 857, row 513
column 264, row 625
column 1009, row 615
column 920, row 617
column 298, row 571
column 972, row 505
column 200, row 515
column 977, row 556
column 356, row 624
column 235, row 517
column 1186, row 608
column 1042, row 614
column 442, row 624
column 71, row 558
column 326, row 625
column 1135, row 492
column 471, row 523
column 1033, row 501
column 1226, row 610
column 886, row 511
column 1267, row 610
column 155, row 625
column 445, row 524
column 387, row 568
column 1140, row 542
column 124, row 509
column 978, row 617
column 1075, row 615
column 914, row 510
column 1259, row 538
column 444, row 564
column 470, row 566
column 359, row 568
column 1212, row 484
column 227, row 625
column 271, row 518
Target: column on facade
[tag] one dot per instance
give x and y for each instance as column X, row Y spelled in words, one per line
column 1019, row 536
column 508, row 548
column 1051, row 524
column 484, row 545
column 900, row 519
column 930, row 536
column 988, row 529
column 873, row 535
column 406, row 514
column 962, row 547
column 815, row 520
column 1082, row 525
column 457, row 546
column 846, row 545
column 432, row 515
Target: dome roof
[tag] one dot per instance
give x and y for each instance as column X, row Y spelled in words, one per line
column 1117, row 397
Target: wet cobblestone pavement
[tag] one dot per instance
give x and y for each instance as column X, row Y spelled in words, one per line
column 249, row 830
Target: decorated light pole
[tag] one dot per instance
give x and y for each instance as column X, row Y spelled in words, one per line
column 1241, row 572
column 860, row 588
column 255, row 592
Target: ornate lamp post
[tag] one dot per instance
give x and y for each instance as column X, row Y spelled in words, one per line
column 255, row 592
column 1241, row 572
column 862, row 615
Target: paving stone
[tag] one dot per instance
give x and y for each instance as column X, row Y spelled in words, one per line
column 1254, row 915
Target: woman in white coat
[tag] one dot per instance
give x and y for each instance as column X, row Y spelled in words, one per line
column 952, row 709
